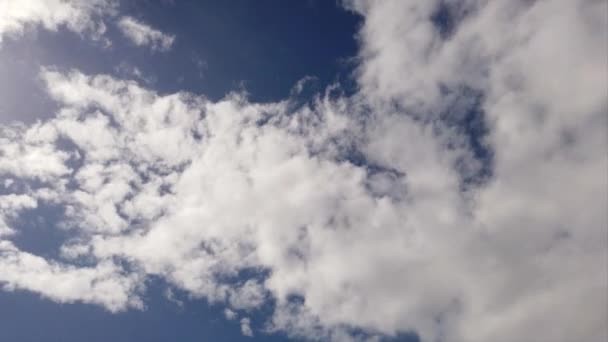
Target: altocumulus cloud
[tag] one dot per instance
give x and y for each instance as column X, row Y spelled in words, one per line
column 375, row 211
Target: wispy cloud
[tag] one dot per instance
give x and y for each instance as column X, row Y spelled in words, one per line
column 80, row 16
column 142, row 34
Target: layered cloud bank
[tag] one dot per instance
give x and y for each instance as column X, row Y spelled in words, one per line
column 460, row 194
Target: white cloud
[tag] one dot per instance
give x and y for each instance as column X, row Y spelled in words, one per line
column 83, row 17
column 229, row 314
column 142, row 34
column 246, row 327
column 170, row 295
column 28, row 152
column 250, row 295
column 541, row 67
column 105, row 284
column 202, row 192
column 10, row 205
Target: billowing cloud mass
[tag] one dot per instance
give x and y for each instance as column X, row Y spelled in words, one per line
column 80, row 16
column 460, row 194
column 141, row 34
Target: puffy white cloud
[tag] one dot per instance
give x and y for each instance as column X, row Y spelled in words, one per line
column 105, row 284
column 229, row 314
column 246, row 327
column 10, row 205
column 29, row 153
column 142, row 34
column 370, row 211
column 250, row 295
column 541, row 218
column 80, row 16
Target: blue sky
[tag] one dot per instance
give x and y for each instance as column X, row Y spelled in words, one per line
column 343, row 171
column 265, row 54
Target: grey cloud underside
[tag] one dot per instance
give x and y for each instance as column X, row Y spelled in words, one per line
column 379, row 211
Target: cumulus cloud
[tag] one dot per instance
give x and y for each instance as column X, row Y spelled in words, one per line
column 104, row 284
column 246, row 327
column 381, row 211
column 83, row 17
column 29, row 152
column 229, row 314
column 142, row 34
column 10, row 205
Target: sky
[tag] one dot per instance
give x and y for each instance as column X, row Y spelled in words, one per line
column 342, row 171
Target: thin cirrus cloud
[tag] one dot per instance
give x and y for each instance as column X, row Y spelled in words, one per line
column 373, row 211
column 142, row 34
